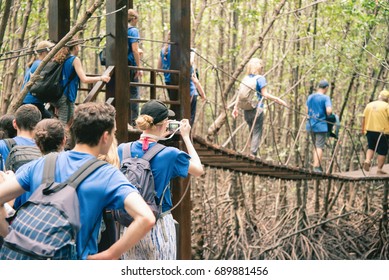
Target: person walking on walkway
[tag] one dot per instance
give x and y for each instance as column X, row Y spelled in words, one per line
column 253, row 114
column 319, row 106
column 196, row 88
column 72, row 74
column 375, row 124
column 42, row 49
column 133, row 59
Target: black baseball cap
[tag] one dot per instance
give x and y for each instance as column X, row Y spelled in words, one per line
column 156, row 109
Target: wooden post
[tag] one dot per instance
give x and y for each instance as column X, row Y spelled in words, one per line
column 59, row 19
column 116, row 54
column 153, row 82
column 180, row 33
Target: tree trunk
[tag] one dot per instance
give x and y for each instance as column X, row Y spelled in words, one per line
column 367, row 37
column 221, row 119
column 9, row 89
column 197, row 21
column 4, row 20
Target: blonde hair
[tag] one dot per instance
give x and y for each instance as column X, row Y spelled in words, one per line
column 144, row 122
column 132, row 14
column 255, row 66
column 44, row 45
column 112, row 156
column 384, row 95
column 41, row 47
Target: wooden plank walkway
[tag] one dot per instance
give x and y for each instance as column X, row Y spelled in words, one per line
column 361, row 174
column 217, row 157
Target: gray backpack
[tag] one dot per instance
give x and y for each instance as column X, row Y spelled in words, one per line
column 138, row 173
column 20, row 154
column 246, row 93
column 46, row 225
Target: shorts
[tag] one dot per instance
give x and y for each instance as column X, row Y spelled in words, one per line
column 319, row 138
column 372, row 139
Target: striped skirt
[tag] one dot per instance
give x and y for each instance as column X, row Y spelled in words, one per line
column 158, row 244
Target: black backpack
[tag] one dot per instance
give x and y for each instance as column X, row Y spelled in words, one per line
column 138, row 173
column 50, row 88
column 20, row 154
column 46, row 225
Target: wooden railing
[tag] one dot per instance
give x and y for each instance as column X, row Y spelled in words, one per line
column 153, row 84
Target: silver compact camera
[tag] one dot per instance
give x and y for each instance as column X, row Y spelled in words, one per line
column 173, row 125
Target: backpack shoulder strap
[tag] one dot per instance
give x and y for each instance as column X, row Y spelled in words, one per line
column 10, row 142
column 153, row 151
column 49, row 168
column 84, row 171
column 73, row 74
column 127, row 150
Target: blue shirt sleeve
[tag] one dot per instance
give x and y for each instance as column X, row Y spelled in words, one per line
column 328, row 102
column 181, row 166
column 134, row 34
column 3, row 153
column 26, row 173
column 29, row 71
column 261, row 83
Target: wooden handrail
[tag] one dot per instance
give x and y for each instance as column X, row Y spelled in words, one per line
column 98, row 86
column 154, row 85
column 175, row 102
column 154, row 70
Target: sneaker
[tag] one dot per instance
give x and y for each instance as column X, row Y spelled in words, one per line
column 317, row 169
column 366, row 166
column 381, row 172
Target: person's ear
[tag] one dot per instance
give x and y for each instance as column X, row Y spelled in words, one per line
column 104, row 137
column 62, row 147
column 14, row 124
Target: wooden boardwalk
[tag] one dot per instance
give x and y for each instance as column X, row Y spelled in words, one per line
column 362, row 174
column 217, row 157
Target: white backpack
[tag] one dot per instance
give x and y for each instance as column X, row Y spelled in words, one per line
column 246, row 93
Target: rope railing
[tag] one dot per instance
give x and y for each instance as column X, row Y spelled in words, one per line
column 31, row 50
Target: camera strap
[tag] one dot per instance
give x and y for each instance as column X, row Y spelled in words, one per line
column 155, row 137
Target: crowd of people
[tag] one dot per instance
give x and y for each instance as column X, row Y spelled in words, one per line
column 93, row 129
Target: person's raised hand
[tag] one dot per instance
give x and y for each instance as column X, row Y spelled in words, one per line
column 185, row 128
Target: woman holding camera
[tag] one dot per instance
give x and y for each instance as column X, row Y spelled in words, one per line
column 169, row 163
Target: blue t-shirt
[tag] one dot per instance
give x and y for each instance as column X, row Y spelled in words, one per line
column 165, row 58
column 134, row 34
column 29, row 98
column 192, row 87
column 20, row 141
column 261, row 83
column 71, row 90
column 165, row 166
column 107, row 188
column 317, row 104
